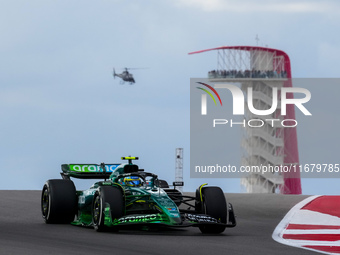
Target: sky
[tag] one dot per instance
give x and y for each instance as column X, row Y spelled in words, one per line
column 60, row 104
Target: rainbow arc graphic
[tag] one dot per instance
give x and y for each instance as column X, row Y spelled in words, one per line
column 204, row 97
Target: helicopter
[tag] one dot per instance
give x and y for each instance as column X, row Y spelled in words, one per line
column 125, row 76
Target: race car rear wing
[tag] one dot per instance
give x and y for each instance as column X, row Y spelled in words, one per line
column 87, row 171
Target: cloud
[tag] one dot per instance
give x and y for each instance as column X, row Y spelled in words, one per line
column 260, row 6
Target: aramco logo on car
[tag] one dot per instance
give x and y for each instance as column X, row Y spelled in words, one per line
column 92, row 168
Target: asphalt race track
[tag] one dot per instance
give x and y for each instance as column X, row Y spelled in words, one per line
column 22, row 231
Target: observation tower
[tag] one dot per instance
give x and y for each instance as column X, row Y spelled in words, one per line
column 271, row 145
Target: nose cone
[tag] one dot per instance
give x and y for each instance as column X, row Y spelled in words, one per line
column 176, row 220
column 174, row 215
column 168, row 206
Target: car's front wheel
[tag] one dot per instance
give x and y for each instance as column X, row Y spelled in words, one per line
column 214, row 204
column 113, row 196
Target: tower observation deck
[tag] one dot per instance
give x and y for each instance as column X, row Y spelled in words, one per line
column 273, row 145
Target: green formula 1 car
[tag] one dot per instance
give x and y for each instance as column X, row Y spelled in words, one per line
column 127, row 196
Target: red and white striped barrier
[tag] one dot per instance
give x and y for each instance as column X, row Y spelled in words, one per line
column 312, row 224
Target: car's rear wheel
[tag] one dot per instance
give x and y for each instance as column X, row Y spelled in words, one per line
column 214, row 205
column 58, row 201
column 107, row 195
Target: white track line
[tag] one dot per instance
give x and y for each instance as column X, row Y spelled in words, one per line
column 313, row 218
column 311, row 231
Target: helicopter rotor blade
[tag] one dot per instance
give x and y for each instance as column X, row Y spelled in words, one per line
column 136, row 68
column 132, row 68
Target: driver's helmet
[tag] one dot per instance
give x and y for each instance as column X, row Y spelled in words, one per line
column 132, row 181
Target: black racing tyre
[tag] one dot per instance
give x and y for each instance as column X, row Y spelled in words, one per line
column 114, row 197
column 214, row 205
column 59, row 201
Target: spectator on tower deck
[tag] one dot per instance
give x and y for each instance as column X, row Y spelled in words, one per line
column 275, row 74
column 233, row 73
column 239, row 74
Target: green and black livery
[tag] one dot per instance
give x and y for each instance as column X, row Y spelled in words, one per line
column 111, row 204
